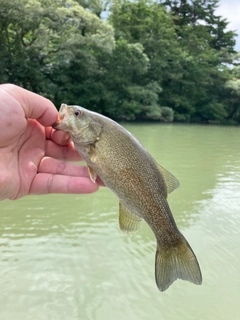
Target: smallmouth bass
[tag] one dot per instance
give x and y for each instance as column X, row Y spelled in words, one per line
column 141, row 185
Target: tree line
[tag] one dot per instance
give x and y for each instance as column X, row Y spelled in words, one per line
column 166, row 61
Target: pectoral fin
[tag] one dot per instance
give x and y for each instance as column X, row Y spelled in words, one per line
column 171, row 182
column 92, row 153
column 92, row 174
column 128, row 221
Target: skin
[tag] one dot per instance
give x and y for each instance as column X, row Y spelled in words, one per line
column 33, row 156
column 141, row 185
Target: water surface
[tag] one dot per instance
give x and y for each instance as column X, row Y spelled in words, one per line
column 64, row 258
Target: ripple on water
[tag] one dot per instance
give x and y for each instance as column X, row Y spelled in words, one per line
column 63, row 257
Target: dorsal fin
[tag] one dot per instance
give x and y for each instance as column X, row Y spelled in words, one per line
column 171, row 181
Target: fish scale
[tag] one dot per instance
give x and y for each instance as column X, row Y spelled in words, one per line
column 141, row 185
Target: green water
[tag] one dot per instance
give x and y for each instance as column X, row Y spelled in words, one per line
column 63, row 257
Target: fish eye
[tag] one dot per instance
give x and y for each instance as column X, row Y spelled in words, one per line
column 77, row 113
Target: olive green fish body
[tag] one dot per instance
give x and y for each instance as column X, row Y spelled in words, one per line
column 141, row 185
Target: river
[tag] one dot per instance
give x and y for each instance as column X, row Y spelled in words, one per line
column 63, row 257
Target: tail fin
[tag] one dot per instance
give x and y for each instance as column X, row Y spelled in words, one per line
column 175, row 262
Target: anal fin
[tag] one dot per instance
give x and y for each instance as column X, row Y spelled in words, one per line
column 128, row 221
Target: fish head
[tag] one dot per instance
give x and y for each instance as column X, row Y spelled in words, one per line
column 71, row 119
column 79, row 123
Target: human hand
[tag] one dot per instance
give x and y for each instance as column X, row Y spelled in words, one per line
column 31, row 151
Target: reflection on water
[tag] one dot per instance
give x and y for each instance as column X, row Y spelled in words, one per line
column 63, row 257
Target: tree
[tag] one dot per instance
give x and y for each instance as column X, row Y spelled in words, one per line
column 150, row 25
column 96, row 6
column 232, row 90
column 40, row 37
column 127, row 95
column 200, row 16
column 166, row 57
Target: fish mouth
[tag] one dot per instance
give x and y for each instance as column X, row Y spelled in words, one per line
column 59, row 124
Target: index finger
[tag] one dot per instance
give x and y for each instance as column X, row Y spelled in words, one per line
column 33, row 105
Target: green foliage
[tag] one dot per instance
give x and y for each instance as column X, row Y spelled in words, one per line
column 129, row 96
column 232, row 91
column 152, row 26
column 167, row 114
column 145, row 60
column 213, row 112
column 199, row 15
column 40, row 37
column 95, row 6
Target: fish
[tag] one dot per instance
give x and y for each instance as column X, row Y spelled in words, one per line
column 142, row 185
